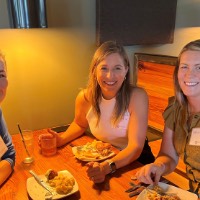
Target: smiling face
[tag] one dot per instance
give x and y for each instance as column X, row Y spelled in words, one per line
column 111, row 73
column 3, row 80
column 189, row 74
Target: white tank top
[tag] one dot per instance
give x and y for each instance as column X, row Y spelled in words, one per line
column 105, row 130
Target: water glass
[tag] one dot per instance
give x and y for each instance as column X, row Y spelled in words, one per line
column 27, row 153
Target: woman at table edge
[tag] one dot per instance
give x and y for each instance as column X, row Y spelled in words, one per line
column 7, row 160
column 115, row 111
column 181, row 137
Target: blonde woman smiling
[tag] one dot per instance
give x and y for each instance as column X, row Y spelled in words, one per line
column 181, row 137
column 114, row 110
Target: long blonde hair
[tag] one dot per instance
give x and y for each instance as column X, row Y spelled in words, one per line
column 191, row 46
column 2, row 56
column 95, row 94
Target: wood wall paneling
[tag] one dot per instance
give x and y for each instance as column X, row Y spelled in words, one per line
column 155, row 75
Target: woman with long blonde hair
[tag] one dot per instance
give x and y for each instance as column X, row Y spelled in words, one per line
column 181, row 137
column 114, row 110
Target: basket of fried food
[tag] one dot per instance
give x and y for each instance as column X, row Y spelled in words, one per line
column 93, row 151
column 62, row 182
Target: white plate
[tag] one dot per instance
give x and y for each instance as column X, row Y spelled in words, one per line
column 182, row 194
column 37, row 192
column 89, row 159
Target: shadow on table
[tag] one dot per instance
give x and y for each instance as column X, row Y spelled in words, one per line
column 74, row 196
column 105, row 186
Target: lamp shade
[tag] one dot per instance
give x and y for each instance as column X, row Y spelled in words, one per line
column 27, row 13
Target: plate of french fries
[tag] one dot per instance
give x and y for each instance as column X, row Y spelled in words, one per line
column 93, row 151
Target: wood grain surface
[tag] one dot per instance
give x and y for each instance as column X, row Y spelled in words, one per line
column 157, row 80
column 113, row 188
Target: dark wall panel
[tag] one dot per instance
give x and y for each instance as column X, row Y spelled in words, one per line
column 133, row 22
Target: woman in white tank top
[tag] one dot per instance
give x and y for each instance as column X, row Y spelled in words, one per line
column 114, row 110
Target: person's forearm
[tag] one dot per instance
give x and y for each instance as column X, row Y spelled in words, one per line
column 73, row 132
column 5, row 170
column 168, row 163
column 126, row 156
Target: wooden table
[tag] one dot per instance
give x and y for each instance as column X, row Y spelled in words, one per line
column 113, row 188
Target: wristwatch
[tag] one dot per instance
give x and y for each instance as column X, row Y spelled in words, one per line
column 112, row 166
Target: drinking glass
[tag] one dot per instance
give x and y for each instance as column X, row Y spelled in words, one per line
column 48, row 144
column 27, row 151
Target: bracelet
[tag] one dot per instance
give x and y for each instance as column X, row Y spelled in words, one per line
column 112, row 166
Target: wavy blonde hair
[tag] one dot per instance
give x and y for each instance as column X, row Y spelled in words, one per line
column 191, row 46
column 95, row 93
column 2, row 56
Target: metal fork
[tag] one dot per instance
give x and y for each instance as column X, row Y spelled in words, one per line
column 49, row 196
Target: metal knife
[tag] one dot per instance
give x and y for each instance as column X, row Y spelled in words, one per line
column 40, row 181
